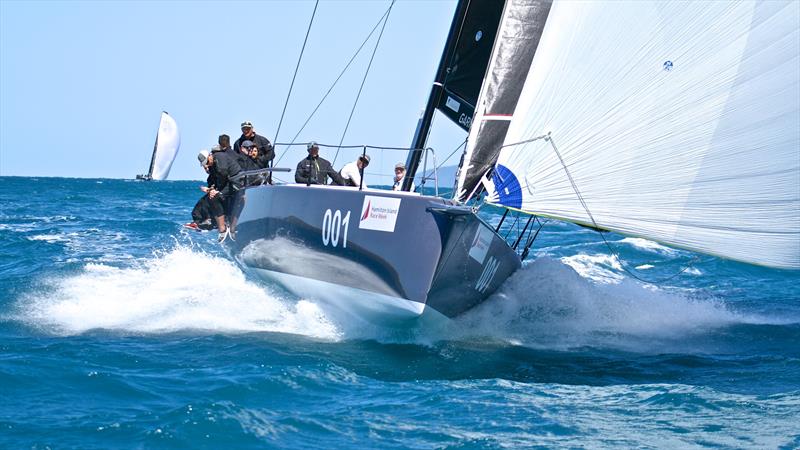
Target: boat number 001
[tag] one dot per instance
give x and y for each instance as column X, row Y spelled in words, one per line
column 488, row 274
column 334, row 227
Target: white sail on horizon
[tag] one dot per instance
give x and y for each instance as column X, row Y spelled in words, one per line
column 676, row 121
column 168, row 143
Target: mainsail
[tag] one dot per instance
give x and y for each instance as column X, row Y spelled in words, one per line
column 674, row 121
column 461, row 71
column 168, row 141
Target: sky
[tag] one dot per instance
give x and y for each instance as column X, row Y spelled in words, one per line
column 83, row 84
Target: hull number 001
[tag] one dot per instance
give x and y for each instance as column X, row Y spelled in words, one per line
column 335, row 227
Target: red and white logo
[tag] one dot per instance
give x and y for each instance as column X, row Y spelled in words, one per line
column 379, row 213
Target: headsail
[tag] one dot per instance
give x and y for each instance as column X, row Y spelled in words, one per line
column 168, row 141
column 516, row 43
column 675, row 121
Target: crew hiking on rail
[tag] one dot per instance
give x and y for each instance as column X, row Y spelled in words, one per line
column 220, row 205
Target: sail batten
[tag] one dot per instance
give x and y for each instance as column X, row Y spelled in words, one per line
column 672, row 121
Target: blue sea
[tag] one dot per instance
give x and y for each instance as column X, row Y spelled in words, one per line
column 121, row 329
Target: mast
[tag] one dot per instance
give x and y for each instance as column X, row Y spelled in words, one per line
column 155, row 147
column 424, row 124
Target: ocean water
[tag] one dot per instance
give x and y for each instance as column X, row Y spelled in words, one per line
column 119, row 329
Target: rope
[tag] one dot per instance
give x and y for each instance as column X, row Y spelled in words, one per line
column 608, row 245
column 436, row 169
column 280, row 122
column 375, row 147
column 330, row 89
column 383, row 27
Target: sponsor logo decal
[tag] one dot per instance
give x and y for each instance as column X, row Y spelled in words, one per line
column 379, row 213
column 366, row 212
column 480, row 244
column 453, row 104
column 465, row 120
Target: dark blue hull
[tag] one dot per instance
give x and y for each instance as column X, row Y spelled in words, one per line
column 381, row 254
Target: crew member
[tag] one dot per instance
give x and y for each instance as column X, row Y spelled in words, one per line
column 266, row 153
column 315, row 170
column 250, row 161
column 210, row 205
column 226, row 166
column 399, row 175
column 353, row 173
column 201, row 213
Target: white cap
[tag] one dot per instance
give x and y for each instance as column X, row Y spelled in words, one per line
column 202, row 156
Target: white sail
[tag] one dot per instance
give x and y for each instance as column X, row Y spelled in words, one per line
column 167, row 144
column 676, row 121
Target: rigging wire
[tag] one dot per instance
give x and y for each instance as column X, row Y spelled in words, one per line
column 451, row 154
column 297, row 67
column 330, row 89
column 591, row 217
column 380, row 35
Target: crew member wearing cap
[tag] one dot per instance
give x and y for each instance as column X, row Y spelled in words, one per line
column 249, row 156
column 265, row 151
column 249, row 161
column 399, row 175
column 208, row 208
column 353, row 172
column 201, row 213
column 315, row 170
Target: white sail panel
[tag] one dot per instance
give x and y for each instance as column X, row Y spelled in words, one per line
column 677, row 121
column 169, row 141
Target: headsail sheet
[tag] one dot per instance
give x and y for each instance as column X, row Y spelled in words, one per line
column 168, row 142
column 516, row 43
column 674, row 121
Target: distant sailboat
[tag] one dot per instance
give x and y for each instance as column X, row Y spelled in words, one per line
column 168, row 141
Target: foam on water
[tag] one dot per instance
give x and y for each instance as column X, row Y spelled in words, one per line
column 51, row 238
column 644, row 244
column 182, row 289
column 600, row 267
column 548, row 303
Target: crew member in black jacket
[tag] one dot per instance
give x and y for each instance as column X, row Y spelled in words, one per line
column 226, row 166
column 316, row 170
column 265, row 151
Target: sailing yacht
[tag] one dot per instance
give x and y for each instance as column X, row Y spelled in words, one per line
column 168, row 142
column 672, row 121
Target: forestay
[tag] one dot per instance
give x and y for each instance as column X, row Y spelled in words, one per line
column 167, row 144
column 676, row 121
